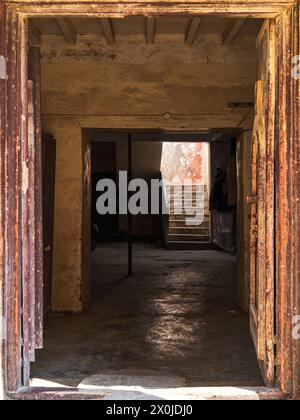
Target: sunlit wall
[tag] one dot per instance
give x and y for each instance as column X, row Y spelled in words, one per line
column 186, row 163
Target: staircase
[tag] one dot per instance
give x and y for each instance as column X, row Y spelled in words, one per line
column 180, row 233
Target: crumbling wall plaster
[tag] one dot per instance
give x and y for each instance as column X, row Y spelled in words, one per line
column 132, row 49
column 67, row 255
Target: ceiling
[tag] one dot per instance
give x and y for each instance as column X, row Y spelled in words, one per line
column 111, row 29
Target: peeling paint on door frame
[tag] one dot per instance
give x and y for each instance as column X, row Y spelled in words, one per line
column 13, row 15
column 3, row 74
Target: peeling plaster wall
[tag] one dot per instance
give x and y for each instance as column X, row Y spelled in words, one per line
column 131, row 78
column 129, row 85
column 67, row 256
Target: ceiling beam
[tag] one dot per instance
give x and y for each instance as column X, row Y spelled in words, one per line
column 108, row 31
column 192, row 30
column 232, row 31
column 34, row 34
column 67, row 29
column 150, row 30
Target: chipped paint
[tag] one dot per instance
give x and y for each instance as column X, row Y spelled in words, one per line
column 25, row 177
column 3, row 74
column 287, row 187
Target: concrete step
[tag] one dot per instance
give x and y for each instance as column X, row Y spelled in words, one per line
column 190, row 203
column 186, row 212
column 188, row 246
column 188, row 190
column 182, row 224
column 193, row 195
column 188, row 187
column 189, row 231
column 188, row 238
column 192, row 210
column 187, row 227
column 189, row 206
column 182, row 218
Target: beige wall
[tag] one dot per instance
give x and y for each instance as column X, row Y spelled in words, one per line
column 68, row 217
column 129, row 85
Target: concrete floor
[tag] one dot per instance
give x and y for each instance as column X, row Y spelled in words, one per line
column 174, row 323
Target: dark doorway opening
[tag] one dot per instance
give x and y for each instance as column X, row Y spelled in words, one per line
column 104, row 166
column 156, row 327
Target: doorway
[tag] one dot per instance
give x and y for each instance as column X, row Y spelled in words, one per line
column 143, row 155
column 156, row 327
column 104, row 166
column 252, row 197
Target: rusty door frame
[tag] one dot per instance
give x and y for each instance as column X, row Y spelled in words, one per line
column 13, row 46
column 262, row 199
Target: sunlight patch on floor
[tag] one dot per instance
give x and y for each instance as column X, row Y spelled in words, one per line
column 111, row 388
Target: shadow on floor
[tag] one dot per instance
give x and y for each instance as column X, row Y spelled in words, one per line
column 174, row 323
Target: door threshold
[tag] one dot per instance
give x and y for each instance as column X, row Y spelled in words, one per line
column 119, row 393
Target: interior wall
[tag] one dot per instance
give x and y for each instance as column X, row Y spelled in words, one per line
column 146, row 161
column 221, row 160
column 146, row 157
column 220, row 153
column 103, row 157
column 146, row 164
column 68, row 218
column 129, row 85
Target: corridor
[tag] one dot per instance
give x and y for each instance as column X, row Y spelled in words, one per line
column 173, row 323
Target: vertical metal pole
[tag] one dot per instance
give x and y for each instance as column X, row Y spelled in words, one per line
column 130, row 256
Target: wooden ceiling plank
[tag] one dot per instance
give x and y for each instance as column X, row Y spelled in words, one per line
column 150, row 30
column 232, row 31
column 192, row 30
column 108, row 31
column 67, row 29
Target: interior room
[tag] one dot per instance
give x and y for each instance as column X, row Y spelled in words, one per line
column 147, row 300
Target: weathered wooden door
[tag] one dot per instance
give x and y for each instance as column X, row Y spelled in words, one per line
column 38, row 158
column 32, row 239
column 49, row 163
column 262, row 265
